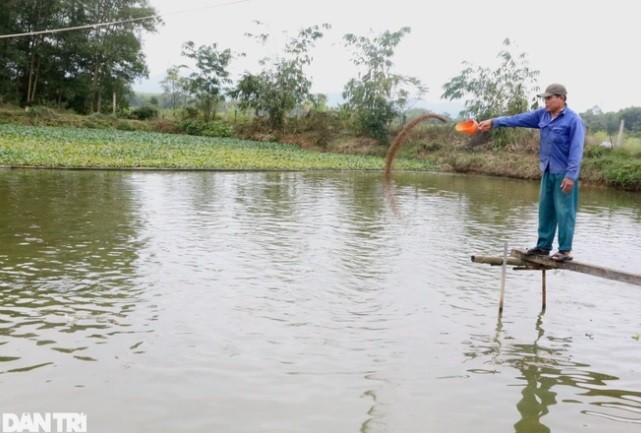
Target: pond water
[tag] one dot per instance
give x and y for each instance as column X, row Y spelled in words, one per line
column 310, row 302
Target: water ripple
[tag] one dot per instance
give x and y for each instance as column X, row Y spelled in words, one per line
column 329, row 301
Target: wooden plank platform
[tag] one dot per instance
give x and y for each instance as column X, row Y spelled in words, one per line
column 584, row 268
column 518, row 258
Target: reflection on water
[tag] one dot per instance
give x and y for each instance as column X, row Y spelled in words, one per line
column 67, row 266
column 545, row 365
column 536, row 368
column 283, row 302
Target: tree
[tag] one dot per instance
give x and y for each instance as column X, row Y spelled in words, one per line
column 211, row 75
column 595, row 119
column 30, row 59
column 631, row 117
column 377, row 95
column 249, row 92
column 509, row 89
column 282, row 85
column 111, row 56
column 406, row 93
column 175, row 87
column 80, row 68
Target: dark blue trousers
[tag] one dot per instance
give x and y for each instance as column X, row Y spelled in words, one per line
column 557, row 209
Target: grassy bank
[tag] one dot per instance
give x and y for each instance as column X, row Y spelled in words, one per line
column 48, row 138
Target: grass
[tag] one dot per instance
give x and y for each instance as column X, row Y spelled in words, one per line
column 47, row 146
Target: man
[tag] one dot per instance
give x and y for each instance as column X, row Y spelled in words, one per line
column 562, row 134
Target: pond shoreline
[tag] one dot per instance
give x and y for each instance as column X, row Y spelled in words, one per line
column 64, row 147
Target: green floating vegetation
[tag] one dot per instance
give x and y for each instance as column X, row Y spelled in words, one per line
column 53, row 147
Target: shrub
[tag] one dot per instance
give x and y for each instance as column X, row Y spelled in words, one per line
column 191, row 126
column 595, row 152
column 207, row 129
column 252, row 128
column 165, row 126
column 218, row 129
column 631, row 146
column 41, row 112
column 190, row 113
column 96, row 121
column 323, row 126
column 145, row 112
column 373, row 122
column 624, row 174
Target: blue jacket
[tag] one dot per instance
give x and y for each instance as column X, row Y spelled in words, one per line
column 561, row 138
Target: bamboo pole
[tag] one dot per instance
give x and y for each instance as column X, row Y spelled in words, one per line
column 503, row 271
column 496, row 261
column 543, row 290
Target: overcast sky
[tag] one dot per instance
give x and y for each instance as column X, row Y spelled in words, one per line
column 591, row 47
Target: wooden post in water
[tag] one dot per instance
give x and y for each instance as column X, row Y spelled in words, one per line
column 543, row 290
column 503, row 271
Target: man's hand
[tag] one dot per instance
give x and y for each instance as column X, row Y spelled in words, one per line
column 485, row 125
column 566, row 185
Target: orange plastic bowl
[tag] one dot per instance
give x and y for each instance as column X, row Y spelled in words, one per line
column 469, row 127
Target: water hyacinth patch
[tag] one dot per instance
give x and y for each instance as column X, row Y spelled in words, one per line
column 45, row 146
